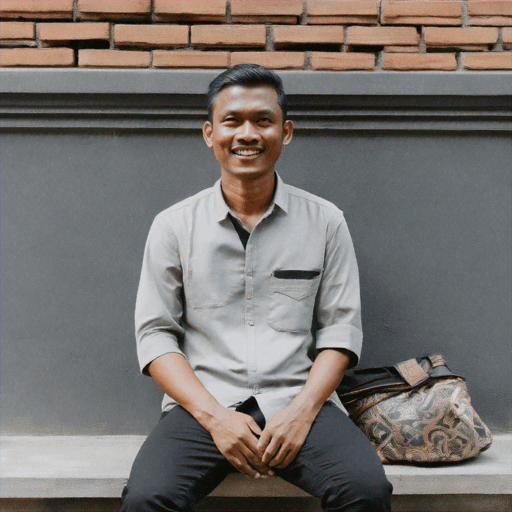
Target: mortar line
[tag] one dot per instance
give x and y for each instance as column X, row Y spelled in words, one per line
column 498, row 46
column 269, row 38
column 229, row 19
column 304, row 13
column 459, row 59
column 423, row 42
column 307, row 60
column 465, row 15
column 379, row 58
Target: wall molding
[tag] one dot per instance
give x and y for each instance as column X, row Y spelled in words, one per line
column 163, row 101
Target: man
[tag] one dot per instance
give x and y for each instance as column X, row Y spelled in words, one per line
column 238, row 283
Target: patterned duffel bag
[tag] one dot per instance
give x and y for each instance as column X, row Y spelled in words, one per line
column 417, row 411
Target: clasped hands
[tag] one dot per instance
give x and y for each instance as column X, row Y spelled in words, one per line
column 257, row 452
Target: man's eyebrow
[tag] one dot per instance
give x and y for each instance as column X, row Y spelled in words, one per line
column 263, row 112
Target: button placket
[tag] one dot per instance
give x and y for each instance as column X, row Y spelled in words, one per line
column 249, row 312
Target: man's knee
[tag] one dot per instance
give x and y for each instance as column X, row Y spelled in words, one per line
column 152, row 499
column 362, row 493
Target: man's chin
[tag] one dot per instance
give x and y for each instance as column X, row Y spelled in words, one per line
column 248, row 172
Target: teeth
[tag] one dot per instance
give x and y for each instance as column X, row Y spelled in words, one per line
column 246, row 152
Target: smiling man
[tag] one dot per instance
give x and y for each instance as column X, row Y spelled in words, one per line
column 239, row 284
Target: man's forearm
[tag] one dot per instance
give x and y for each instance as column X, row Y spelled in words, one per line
column 287, row 430
column 174, row 375
column 324, row 377
column 234, row 433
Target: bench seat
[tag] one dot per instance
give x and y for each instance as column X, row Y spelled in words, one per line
column 48, row 467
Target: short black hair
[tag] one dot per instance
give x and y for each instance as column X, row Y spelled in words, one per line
column 247, row 75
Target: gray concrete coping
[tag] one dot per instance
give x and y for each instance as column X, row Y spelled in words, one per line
column 195, row 82
column 98, row 467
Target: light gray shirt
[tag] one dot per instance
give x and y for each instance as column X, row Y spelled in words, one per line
column 245, row 326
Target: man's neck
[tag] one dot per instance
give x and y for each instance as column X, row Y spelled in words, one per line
column 249, row 198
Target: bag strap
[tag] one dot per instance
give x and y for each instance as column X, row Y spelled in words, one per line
column 414, row 373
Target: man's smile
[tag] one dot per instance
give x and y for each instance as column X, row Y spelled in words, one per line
column 247, row 151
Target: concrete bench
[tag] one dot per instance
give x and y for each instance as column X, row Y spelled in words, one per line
column 80, row 472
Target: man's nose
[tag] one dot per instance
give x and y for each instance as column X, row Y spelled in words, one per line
column 247, row 132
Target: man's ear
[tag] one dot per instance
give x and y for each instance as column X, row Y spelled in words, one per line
column 207, row 133
column 287, row 132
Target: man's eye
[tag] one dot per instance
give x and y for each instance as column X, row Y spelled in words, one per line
column 265, row 120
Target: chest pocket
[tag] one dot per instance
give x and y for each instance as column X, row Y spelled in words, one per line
column 292, row 299
column 210, row 287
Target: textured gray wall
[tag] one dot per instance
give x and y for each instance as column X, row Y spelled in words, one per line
column 429, row 213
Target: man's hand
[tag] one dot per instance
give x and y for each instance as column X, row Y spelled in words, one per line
column 286, row 432
column 284, row 435
column 235, row 435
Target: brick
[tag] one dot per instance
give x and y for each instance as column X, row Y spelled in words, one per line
column 489, row 8
column 266, row 7
column 339, row 20
column 402, row 49
column 342, row 11
column 190, row 59
column 421, row 13
column 187, row 10
column 17, row 30
column 51, row 33
column 301, row 35
column 507, row 38
column 333, row 61
column 147, row 36
column 488, row 60
column 460, row 36
column 342, row 8
column 36, row 9
column 40, row 57
column 489, row 21
column 229, row 35
column 113, row 9
column 284, row 20
column 113, row 59
column 490, row 13
column 382, row 36
column 419, row 62
column 272, row 60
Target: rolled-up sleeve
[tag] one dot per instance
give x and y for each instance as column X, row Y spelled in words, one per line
column 338, row 305
column 159, row 307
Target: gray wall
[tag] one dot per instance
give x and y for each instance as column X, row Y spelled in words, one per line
column 423, row 179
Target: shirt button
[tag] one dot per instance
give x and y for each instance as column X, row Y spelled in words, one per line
column 248, row 272
column 250, row 322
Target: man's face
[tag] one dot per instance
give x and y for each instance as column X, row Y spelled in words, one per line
column 247, row 131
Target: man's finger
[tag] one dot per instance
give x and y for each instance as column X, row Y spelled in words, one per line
column 270, row 452
column 240, row 463
column 263, row 442
column 253, row 426
column 255, row 461
column 286, row 461
column 278, row 457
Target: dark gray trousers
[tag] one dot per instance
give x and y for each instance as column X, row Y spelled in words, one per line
column 179, row 464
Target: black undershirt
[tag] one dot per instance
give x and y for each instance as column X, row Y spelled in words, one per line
column 242, row 232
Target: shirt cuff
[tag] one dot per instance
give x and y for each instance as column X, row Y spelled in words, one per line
column 155, row 345
column 343, row 336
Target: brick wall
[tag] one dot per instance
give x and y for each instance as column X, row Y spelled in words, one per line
column 348, row 35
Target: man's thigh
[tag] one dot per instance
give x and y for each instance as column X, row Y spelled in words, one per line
column 177, row 465
column 338, row 464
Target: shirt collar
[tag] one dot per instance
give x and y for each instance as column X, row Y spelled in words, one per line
column 222, row 209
